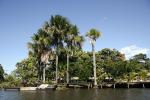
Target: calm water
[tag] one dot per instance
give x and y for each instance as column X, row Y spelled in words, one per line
column 78, row 94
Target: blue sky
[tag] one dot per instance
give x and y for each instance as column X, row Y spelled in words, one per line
column 125, row 24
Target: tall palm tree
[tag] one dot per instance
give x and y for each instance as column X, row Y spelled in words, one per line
column 73, row 42
column 56, row 29
column 39, row 48
column 93, row 34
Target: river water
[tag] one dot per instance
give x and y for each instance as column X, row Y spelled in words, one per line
column 78, row 94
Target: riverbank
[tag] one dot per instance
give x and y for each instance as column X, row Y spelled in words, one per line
column 114, row 85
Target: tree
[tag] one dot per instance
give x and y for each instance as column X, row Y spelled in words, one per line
column 112, row 62
column 56, row 28
column 27, row 71
column 73, row 43
column 93, row 34
column 39, row 48
column 141, row 65
column 81, row 65
column 1, row 73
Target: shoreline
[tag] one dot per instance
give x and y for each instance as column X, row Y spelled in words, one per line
column 116, row 85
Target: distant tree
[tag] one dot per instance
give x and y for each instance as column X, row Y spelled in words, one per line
column 140, row 64
column 140, row 57
column 1, row 73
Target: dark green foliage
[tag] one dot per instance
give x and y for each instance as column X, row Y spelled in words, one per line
column 82, row 67
column 27, row 71
column 112, row 62
column 1, row 73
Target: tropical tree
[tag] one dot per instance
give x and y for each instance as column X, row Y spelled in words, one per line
column 94, row 34
column 73, row 43
column 56, row 28
column 39, row 48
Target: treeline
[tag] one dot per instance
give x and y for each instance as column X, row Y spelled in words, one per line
column 109, row 64
column 55, row 54
column 8, row 80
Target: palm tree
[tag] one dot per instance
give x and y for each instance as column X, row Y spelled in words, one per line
column 56, row 29
column 93, row 34
column 39, row 48
column 73, row 43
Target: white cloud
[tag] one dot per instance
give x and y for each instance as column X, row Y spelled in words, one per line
column 132, row 50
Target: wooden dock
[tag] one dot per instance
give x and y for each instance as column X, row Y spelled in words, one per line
column 125, row 85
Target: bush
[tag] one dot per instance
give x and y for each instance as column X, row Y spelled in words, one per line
column 10, row 82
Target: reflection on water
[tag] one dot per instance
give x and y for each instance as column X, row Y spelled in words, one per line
column 78, row 94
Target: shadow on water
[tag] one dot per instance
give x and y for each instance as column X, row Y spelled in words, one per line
column 78, row 94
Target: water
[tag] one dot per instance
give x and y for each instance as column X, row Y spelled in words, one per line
column 78, row 94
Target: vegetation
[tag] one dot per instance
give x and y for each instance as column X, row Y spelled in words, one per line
column 1, row 74
column 27, row 72
column 10, row 81
column 55, row 56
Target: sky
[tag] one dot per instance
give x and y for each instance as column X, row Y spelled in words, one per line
column 124, row 24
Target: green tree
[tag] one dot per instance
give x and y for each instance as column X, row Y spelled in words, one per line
column 111, row 62
column 39, row 48
column 56, row 28
column 73, row 43
column 81, row 65
column 93, row 34
column 1, row 73
column 140, row 65
column 27, row 71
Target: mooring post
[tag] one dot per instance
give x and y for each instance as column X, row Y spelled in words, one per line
column 143, row 85
column 114, row 86
column 101, row 86
column 128, row 86
column 88, row 85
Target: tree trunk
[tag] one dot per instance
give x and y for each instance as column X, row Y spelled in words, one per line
column 56, row 68
column 67, row 78
column 39, row 71
column 94, row 65
column 44, row 74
